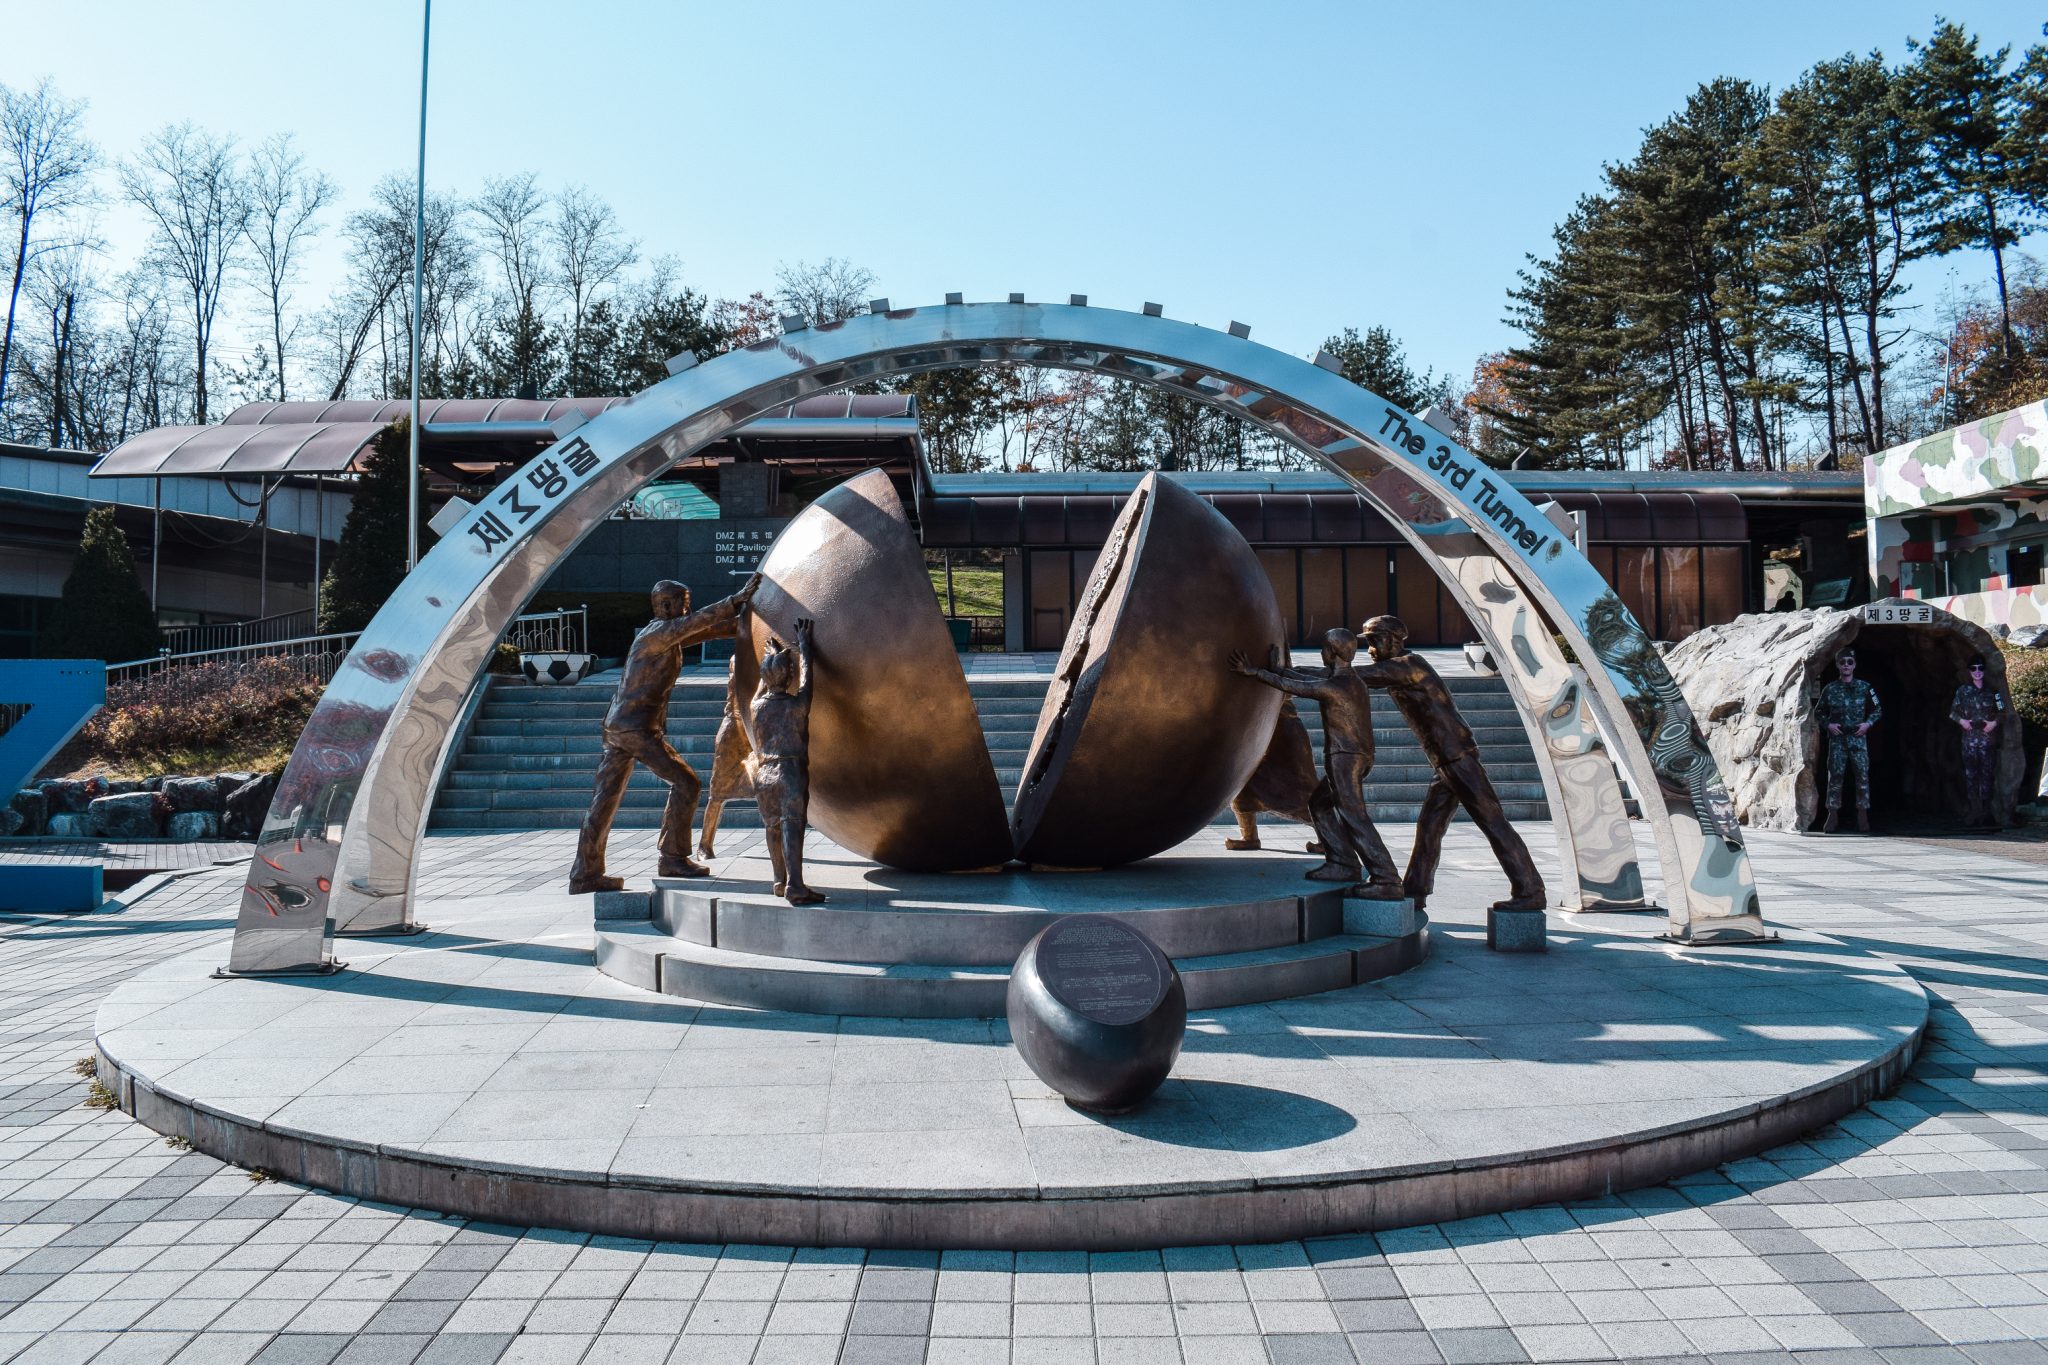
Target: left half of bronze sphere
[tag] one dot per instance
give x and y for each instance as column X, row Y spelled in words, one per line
column 899, row 770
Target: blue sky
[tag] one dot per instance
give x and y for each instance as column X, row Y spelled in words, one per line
column 1299, row 167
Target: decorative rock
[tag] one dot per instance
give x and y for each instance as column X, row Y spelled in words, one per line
column 34, row 809
column 131, row 815
column 10, row 822
column 68, row 825
column 1097, row 1012
column 225, row 783
column 124, row 786
column 1388, row 919
column 2029, row 637
column 153, row 783
column 188, row 825
column 246, row 806
column 71, row 796
column 192, row 794
column 1517, row 931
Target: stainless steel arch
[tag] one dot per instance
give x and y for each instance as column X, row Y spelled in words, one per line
column 338, row 846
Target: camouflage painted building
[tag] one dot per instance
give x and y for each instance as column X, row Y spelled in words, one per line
column 1960, row 519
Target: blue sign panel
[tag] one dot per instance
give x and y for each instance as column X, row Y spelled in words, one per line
column 43, row 703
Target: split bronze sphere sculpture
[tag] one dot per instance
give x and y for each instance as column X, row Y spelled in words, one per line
column 1145, row 735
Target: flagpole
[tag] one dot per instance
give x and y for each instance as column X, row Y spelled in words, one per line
column 419, row 256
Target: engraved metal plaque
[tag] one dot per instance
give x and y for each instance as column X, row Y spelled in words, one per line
column 1102, row 970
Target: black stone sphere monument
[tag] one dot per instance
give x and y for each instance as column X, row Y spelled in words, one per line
column 1097, row 1012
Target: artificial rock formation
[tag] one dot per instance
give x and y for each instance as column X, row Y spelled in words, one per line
column 1754, row 683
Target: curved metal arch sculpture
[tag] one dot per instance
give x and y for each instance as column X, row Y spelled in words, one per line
column 338, row 847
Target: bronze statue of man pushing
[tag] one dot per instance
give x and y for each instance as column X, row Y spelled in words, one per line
column 1460, row 779
column 636, row 730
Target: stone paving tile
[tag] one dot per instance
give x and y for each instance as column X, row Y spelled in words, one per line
column 1913, row 1230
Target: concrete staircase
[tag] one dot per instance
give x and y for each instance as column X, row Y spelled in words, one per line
column 527, row 759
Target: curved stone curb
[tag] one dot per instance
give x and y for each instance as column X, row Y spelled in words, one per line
column 1260, row 1210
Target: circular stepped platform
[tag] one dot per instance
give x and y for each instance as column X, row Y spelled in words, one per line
column 486, row 1069
column 1241, row 928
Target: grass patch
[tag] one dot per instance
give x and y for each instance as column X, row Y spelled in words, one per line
column 78, row 761
column 976, row 592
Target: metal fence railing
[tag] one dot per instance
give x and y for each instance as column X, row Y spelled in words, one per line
column 316, row 656
column 263, row 630
column 320, row 656
column 551, row 632
column 976, row 634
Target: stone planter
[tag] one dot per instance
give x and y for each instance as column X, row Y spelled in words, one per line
column 556, row 670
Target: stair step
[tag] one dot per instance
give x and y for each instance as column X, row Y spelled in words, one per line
column 918, row 930
column 531, row 752
column 641, row 955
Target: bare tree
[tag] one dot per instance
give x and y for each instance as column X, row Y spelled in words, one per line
column 190, row 184
column 59, row 298
column 376, row 300
column 514, row 230
column 830, row 291
column 590, row 253
column 285, row 203
column 46, row 171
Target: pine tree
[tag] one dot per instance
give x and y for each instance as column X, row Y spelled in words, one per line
column 2026, row 140
column 1583, row 389
column 103, row 612
column 1962, row 99
column 369, row 562
column 1377, row 363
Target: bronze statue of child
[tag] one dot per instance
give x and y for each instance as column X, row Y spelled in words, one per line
column 1350, row 841
column 781, row 721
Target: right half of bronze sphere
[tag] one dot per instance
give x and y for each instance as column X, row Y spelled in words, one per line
column 1146, row 733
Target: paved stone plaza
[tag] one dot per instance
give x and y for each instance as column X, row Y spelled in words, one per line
column 1915, row 1229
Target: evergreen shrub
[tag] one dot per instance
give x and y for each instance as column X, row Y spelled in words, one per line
column 103, row 612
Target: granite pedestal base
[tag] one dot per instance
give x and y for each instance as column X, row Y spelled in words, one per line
column 488, row 1069
column 1516, row 931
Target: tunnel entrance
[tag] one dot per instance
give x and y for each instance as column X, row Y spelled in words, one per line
column 1916, row 752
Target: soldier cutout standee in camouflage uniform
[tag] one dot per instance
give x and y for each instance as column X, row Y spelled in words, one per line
column 1978, row 709
column 1848, row 708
